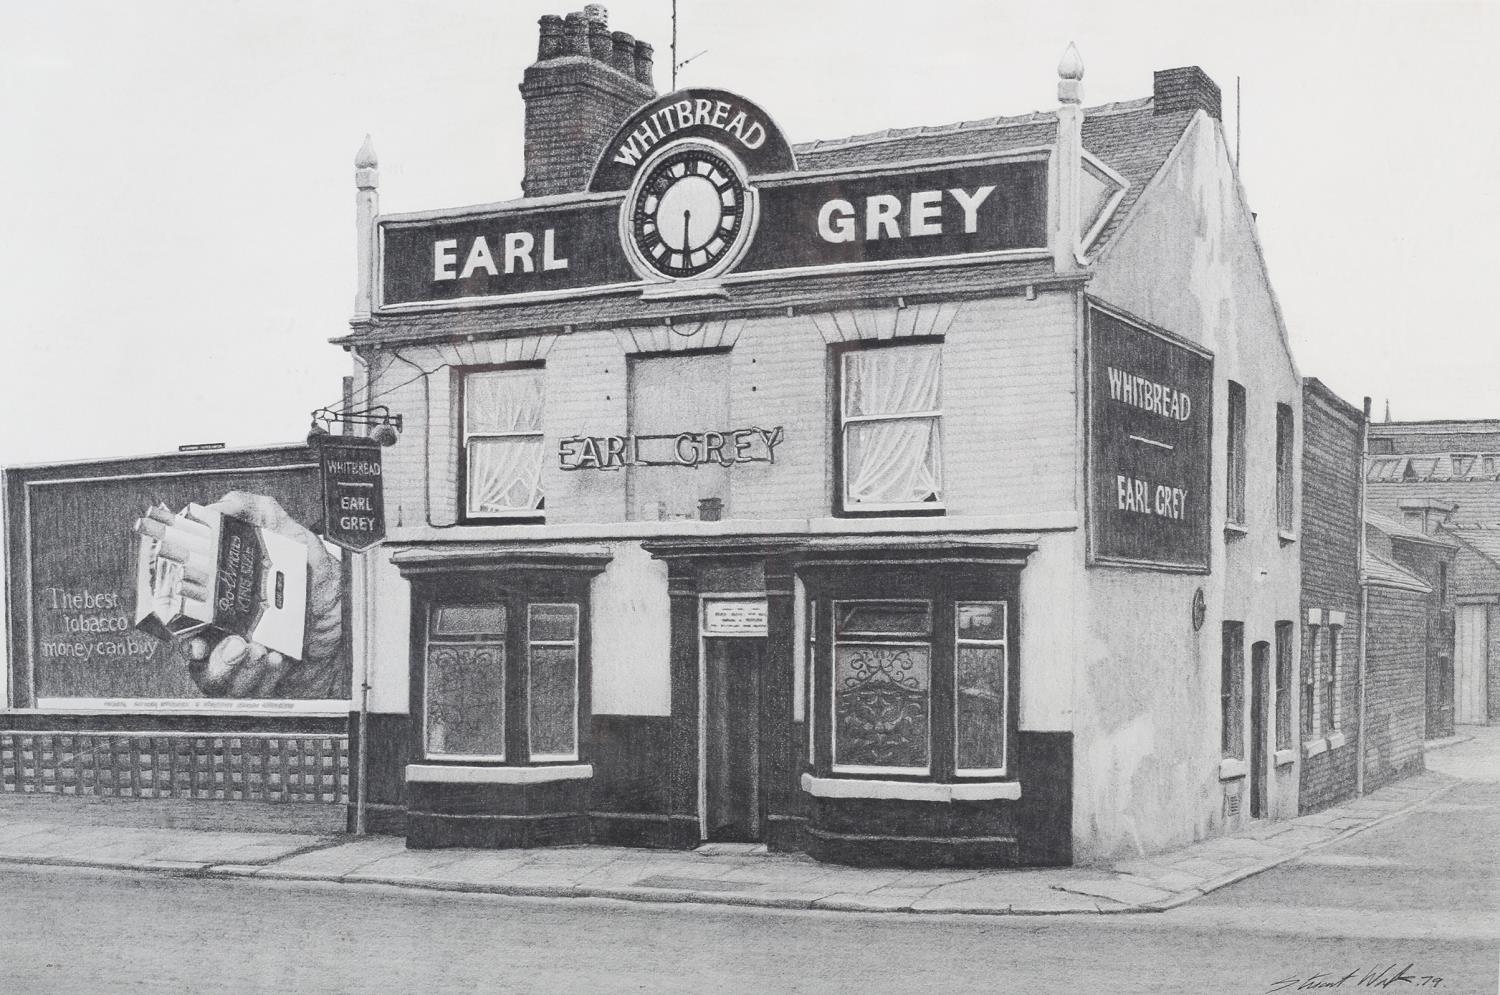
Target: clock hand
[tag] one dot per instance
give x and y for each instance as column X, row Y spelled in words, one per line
column 686, row 248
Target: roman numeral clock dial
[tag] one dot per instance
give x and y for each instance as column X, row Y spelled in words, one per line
column 690, row 213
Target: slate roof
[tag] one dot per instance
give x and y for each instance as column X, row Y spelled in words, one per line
column 1384, row 573
column 1427, row 467
column 1484, row 540
column 1129, row 137
column 1396, row 530
column 1478, row 500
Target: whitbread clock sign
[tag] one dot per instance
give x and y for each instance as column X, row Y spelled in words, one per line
column 700, row 185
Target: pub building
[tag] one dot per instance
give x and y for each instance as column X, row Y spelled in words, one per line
column 922, row 497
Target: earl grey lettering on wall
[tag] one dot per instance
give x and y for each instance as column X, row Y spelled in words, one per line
column 1150, row 455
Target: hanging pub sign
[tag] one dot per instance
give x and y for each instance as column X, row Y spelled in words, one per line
column 700, row 184
column 353, row 502
column 1150, row 446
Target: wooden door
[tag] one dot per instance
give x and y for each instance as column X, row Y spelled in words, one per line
column 731, row 743
column 1470, row 664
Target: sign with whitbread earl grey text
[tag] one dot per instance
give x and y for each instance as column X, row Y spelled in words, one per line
column 1150, row 447
column 353, row 501
column 702, row 185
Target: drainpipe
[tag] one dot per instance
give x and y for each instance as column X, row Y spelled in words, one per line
column 1364, row 601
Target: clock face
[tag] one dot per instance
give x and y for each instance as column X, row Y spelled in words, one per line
column 689, row 215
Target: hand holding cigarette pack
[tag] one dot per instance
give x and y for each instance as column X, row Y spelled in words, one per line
column 200, row 572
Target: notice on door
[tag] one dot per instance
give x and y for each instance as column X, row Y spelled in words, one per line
column 737, row 617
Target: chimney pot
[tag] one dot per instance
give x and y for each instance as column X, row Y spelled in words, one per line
column 600, row 45
column 644, row 54
column 597, row 12
column 1187, row 88
column 575, row 35
column 622, row 53
column 550, row 42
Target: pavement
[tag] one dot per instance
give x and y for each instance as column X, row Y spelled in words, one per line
column 130, row 835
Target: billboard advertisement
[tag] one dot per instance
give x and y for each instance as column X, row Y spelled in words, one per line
column 1150, row 446
column 186, row 581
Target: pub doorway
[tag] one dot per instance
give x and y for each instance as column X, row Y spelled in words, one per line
column 733, row 788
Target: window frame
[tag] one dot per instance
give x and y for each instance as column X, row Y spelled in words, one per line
column 516, row 590
column 945, row 584
column 1329, row 680
column 1232, row 691
column 1286, row 502
column 1235, row 456
column 518, row 516
column 1003, row 644
column 576, row 644
column 485, row 639
column 898, row 639
column 1285, row 721
column 841, row 505
column 1312, row 668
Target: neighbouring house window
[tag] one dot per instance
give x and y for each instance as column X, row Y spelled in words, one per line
column 1311, row 668
column 552, row 656
column 1235, row 507
column 1284, row 688
column 502, row 443
column 668, row 396
column 465, row 688
column 1331, row 681
column 979, row 687
column 890, row 428
column 1285, row 431
column 882, row 662
column 1232, row 690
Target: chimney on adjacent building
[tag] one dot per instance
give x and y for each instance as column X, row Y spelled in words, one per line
column 1185, row 89
column 584, row 84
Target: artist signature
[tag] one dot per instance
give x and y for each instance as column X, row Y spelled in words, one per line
column 1375, row 977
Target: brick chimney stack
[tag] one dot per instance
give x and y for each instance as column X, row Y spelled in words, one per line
column 583, row 85
column 1185, row 89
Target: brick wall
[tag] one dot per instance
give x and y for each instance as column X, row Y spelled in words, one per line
column 181, row 765
column 1329, row 550
column 574, row 105
column 1427, row 561
column 1395, row 685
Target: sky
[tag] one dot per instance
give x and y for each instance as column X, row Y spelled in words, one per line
column 177, row 187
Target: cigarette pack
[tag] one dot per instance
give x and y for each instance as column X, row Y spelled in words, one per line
column 200, row 572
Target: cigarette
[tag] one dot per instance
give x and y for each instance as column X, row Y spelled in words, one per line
column 160, row 514
column 191, row 588
column 192, row 574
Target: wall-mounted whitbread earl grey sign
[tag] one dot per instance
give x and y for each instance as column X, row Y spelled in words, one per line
column 1150, row 446
column 702, row 184
column 353, row 498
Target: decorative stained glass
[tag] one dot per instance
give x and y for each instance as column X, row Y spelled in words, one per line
column 552, row 655
column 881, row 705
column 466, row 700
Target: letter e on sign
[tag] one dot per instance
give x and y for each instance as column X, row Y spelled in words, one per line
column 353, row 498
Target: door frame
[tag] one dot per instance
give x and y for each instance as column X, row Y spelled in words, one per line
column 1260, row 719
column 703, row 637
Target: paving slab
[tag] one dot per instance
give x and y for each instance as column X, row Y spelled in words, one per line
column 336, row 861
column 1123, row 892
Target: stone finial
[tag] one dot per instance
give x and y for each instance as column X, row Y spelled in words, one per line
column 366, row 166
column 1070, row 76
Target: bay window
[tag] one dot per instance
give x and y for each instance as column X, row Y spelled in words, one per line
column 502, row 443
column 911, row 671
column 501, row 681
column 890, row 428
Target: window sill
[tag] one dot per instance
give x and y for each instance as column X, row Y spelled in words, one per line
column 462, row 774
column 1231, row 769
column 1285, row 757
column 1336, row 740
column 1313, row 747
column 1287, row 538
column 1233, row 530
column 914, row 791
